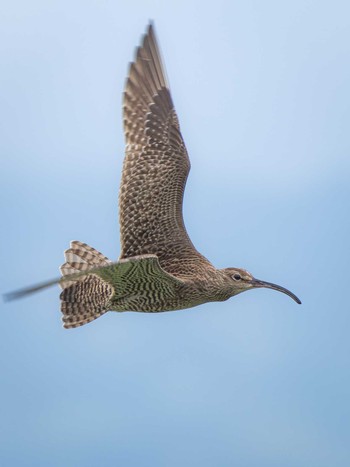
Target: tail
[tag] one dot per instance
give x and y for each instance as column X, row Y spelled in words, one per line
column 88, row 297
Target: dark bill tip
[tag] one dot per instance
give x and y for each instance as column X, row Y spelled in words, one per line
column 269, row 285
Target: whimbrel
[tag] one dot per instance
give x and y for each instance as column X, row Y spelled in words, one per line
column 159, row 269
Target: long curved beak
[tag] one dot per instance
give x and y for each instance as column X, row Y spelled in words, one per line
column 269, row 285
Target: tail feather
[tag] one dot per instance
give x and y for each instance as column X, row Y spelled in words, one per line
column 88, row 297
column 81, row 257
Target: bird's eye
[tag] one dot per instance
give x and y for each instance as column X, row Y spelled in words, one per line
column 237, row 277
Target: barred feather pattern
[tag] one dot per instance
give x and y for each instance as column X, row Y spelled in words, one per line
column 87, row 297
column 133, row 284
column 140, row 284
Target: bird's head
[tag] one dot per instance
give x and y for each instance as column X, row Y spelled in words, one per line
column 240, row 280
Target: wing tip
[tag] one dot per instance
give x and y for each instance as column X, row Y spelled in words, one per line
column 10, row 296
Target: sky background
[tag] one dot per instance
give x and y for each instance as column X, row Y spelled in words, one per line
column 262, row 94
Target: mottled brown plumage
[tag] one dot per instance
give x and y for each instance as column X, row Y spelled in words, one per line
column 155, row 170
column 159, row 268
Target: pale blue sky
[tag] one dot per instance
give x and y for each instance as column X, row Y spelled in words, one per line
column 262, row 94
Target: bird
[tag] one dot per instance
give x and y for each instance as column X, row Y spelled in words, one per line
column 159, row 269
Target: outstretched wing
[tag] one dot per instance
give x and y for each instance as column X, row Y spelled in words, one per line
column 155, row 170
column 140, row 284
column 132, row 284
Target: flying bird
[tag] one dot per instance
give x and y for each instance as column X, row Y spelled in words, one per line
column 159, row 269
